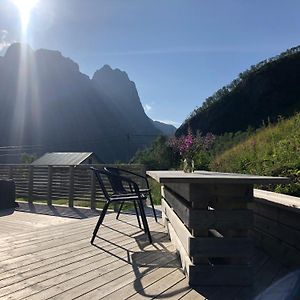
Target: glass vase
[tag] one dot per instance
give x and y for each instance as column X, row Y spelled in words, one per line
column 188, row 165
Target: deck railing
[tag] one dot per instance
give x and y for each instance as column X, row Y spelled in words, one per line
column 70, row 185
column 277, row 226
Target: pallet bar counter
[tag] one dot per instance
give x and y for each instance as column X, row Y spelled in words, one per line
column 209, row 220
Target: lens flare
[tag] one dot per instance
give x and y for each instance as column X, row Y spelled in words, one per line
column 25, row 7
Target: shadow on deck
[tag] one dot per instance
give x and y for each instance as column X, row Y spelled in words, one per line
column 44, row 257
column 64, row 211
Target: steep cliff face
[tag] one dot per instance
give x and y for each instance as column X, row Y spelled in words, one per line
column 121, row 94
column 45, row 100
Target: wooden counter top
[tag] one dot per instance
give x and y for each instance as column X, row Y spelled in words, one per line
column 213, row 177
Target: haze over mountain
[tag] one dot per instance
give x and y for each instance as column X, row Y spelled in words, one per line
column 166, row 129
column 45, row 100
column 268, row 90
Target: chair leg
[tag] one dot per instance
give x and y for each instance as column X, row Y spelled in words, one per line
column 100, row 220
column 137, row 214
column 144, row 220
column 151, row 201
column 120, row 208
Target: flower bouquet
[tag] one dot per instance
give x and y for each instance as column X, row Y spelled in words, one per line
column 188, row 146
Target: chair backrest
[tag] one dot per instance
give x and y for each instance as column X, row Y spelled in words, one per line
column 115, row 182
column 98, row 173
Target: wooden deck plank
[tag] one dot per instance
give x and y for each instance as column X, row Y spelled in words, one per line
column 131, row 279
column 84, row 279
column 45, row 256
column 71, row 230
column 74, row 247
column 86, row 251
column 57, row 233
column 176, row 291
column 25, row 219
column 160, row 285
column 107, row 282
column 139, row 280
column 17, row 239
column 41, row 221
column 48, row 272
column 68, row 234
column 37, row 241
column 17, row 262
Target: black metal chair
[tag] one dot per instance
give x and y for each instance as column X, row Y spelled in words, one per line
column 146, row 191
column 120, row 194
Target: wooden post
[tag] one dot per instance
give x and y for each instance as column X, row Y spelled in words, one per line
column 49, row 196
column 163, row 209
column 231, row 199
column 71, row 186
column 30, row 184
column 93, row 191
column 143, row 172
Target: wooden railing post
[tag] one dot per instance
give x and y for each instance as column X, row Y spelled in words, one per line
column 71, row 186
column 143, row 172
column 93, row 190
column 30, row 184
column 49, row 197
column 47, row 186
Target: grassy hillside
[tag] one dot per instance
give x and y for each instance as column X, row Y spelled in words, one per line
column 272, row 150
column 265, row 91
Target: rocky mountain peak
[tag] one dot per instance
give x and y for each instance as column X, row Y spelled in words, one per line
column 56, row 97
column 16, row 49
column 116, row 84
column 106, row 75
column 51, row 57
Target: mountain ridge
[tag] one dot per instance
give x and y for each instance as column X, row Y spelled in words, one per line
column 269, row 89
column 62, row 109
column 166, row 129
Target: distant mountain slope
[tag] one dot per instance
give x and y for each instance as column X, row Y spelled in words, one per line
column 267, row 90
column 166, row 129
column 121, row 95
column 45, row 100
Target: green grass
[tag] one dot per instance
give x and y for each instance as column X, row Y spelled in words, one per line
column 155, row 191
column 65, row 202
column 273, row 150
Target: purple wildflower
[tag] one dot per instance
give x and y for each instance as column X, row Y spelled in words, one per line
column 187, row 146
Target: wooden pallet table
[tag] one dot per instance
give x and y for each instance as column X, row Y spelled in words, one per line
column 209, row 220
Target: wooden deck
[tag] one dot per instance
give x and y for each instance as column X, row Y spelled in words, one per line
column 46, row 253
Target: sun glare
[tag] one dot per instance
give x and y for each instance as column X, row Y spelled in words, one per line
column 25, row 7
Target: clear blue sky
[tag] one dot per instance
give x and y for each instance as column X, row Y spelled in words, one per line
column 178, row 52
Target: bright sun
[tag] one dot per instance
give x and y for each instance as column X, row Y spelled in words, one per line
column 25, row 7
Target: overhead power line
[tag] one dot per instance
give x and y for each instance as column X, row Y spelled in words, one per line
column 127, row 137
